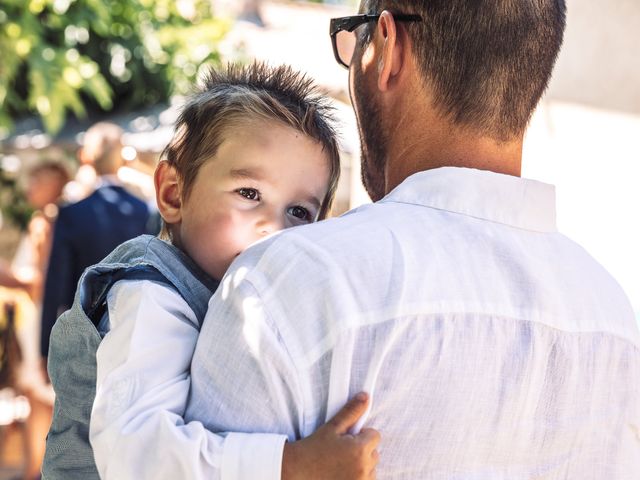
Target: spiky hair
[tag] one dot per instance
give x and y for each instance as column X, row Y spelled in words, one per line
column 239, row 94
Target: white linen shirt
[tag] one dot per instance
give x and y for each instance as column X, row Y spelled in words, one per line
column 137, row 430
column 493, row 347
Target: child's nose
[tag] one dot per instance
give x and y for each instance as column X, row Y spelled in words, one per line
column 269, row 224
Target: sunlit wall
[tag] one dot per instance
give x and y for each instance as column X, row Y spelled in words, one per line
column 585, row 137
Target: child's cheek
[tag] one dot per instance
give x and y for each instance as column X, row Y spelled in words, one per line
column 240, row 230
column 230, row 232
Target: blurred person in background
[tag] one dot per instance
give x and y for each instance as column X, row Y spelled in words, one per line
column 45, row 184
column 8, row 278
column 131, row 173
column 86, row 231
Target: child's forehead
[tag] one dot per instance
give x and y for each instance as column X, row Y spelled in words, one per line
column 246, row 123
column 261, row 150
column 256, row 136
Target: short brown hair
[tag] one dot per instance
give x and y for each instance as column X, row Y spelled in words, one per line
column 104, row 142
column 489, row 61
column 51, row 167
column 250, row 92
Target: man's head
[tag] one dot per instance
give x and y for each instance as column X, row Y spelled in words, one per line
column 45, row 183
column 482, row 65
column 254, row 152
column 102, row 148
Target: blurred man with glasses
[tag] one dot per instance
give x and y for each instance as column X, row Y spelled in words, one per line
column 492, row 346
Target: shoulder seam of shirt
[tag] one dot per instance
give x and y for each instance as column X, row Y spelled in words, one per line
column 186, row 321
column 351, row 324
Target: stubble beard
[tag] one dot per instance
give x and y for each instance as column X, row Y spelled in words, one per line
column 373, row 140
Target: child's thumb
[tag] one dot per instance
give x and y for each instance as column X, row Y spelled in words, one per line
column 349, row 414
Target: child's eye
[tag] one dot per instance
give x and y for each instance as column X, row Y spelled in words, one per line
column 300, row 212
column 249, row 193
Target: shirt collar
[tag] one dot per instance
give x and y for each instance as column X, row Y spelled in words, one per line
column 515, row 201
column 108, row 181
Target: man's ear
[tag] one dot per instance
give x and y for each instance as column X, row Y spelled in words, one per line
column 391, row 58
column 168, row 193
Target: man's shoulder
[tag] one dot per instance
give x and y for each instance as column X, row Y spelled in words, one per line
column 69, row 214
column 600, row 294
column 124, row 192
column 118, row 194
column 355, row 225
column 322, row 258
column 106, row 193
column 320, row 241
column 81, row 206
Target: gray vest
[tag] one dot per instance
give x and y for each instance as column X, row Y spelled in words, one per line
column 75, row 339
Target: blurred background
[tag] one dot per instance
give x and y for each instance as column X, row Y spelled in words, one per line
column 66, row 65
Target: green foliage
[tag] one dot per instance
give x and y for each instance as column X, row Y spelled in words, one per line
column 73, row 55
column 15, row 208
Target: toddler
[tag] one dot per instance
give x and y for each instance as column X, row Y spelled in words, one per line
column 253, row 153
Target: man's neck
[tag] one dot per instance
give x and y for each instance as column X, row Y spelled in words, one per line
column 108, row 180
column 440, row 144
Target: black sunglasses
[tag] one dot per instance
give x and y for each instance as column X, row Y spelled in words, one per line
column 343, row 37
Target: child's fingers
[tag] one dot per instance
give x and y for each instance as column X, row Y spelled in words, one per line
column 369, row 437
column 349, row 414
column 375, row 458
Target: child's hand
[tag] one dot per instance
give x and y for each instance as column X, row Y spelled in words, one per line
column 333, row 454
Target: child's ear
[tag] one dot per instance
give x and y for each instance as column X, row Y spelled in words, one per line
column 168, row 195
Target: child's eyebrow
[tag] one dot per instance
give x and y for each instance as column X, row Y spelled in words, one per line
column 246, row 173
column 314, row 201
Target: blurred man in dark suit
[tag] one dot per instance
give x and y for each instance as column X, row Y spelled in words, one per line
column 85, row 232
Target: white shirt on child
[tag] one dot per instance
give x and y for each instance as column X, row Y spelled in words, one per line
column 136, row 429
column 493, row 347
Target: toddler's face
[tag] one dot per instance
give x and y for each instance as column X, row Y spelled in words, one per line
column 265, row 177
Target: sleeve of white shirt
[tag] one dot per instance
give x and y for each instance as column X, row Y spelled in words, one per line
column 246, row 346
column 137, row 429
